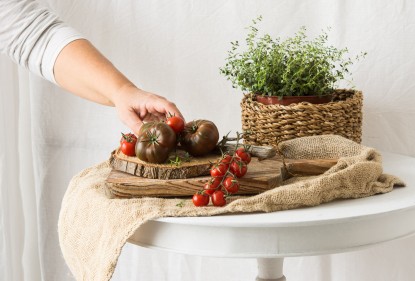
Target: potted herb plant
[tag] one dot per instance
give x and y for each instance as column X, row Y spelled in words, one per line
column 294, row 75
column 294, row 67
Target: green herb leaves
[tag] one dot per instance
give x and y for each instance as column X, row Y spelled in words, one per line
column 296, row 66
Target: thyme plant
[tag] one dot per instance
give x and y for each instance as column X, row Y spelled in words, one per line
column 295, row 66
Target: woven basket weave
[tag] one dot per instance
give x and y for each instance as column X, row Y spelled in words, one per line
column 271, row 124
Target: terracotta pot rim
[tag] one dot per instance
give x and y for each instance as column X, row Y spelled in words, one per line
column 287, row 100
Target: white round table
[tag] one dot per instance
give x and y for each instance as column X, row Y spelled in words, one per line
column 334, row 227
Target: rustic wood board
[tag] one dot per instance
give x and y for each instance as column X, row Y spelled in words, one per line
column 194, row 167
column 261, row 176
column 199, row 166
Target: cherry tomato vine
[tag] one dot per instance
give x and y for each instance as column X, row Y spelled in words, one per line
column 225, row 173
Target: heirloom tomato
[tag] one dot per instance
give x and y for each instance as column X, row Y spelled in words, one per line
column 155, row 141
column 199, row 137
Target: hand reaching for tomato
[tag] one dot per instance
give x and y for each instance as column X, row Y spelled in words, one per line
column 128, row 141
column 135, row 106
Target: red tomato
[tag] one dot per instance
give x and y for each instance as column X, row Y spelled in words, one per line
column 239, row 168
column 128, row 136
column 231, row 184
column 128, row 142
column 226, row 159
column 176, row 123
column 219, row 170
column 215, row 182
column 218, row 198
column 242, row 154
column 212, row 185
column 208, row 189
column 200, row 199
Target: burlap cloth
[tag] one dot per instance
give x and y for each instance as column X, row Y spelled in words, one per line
column 93, row 228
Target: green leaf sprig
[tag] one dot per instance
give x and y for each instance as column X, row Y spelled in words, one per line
column 296, row 66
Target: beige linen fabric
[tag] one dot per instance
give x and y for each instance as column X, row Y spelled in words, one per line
column 93, row 228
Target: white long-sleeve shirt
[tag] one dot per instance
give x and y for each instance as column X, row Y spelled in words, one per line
column 32, row 36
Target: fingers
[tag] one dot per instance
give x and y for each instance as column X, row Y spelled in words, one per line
column 172, row 109
column 135, row 106
column 133, row 121
column 154, row 117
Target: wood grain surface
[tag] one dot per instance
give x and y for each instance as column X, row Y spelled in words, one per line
column 195, row 167
column 261, row 176
column 131, row 177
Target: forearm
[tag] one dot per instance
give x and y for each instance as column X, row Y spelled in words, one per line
column 81, row 69
column 36, row 39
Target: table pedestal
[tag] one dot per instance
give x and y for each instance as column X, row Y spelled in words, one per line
column 270, row 269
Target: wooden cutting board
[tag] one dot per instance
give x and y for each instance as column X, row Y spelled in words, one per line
column 131, row 177
column 261, row 176
column 189, row 167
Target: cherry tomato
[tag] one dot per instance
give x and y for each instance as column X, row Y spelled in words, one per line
column 128, row 136
column 238, row 168
column 176, row 123
column 219, row 170
column 231, row 184
column 200, row 199
column 218, row 198
column 212, row 185
column 208, row 189
column 242, row 154
column 128, row 142
column 226, row 159
column 215, row 182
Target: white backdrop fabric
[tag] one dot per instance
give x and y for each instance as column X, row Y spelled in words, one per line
column 175, row 48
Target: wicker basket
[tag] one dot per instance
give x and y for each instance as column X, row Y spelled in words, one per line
column 271, row 124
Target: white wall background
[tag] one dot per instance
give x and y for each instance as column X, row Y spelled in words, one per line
column 175, row 48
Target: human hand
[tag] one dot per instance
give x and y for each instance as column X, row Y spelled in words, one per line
column 135, row 106
column 81, row 69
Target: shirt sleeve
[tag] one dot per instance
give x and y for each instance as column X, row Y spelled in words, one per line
column 32, row 36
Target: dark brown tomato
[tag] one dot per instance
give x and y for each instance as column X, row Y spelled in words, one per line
column 199, row 137
column 155, row 141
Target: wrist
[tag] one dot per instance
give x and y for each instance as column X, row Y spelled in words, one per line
column 121, row 93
